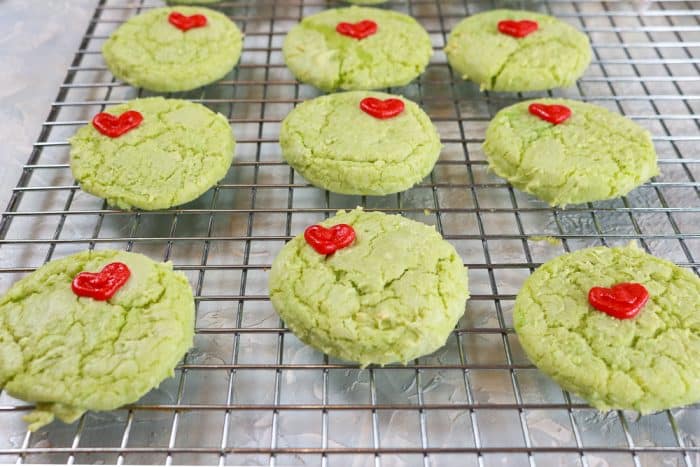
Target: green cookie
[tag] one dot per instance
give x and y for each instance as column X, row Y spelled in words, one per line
column 394, row 294
column 393, row 56
column 594, row 155
column 647, row 363
column 337, row 146
column 555, row 55
column 147, row 51
column 70, row 354
column 178, row 152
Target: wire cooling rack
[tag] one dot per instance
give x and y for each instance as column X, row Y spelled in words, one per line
column 249, row 392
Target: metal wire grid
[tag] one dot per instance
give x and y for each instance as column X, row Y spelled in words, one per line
column 249, row 392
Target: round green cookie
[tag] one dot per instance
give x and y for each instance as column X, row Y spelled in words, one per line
column 179, row 151
column 594, row 155
column 147, row 51
column 555, row 55
column 337, row 146
column 648, row 363
column 396, row 54
column 70, row 354
column 395, row 294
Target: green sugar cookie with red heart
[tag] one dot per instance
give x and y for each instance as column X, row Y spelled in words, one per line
column 616, row 326
column 357, row 48
column 152, row 153
column 92, row 331
column 360, row 142
column 567, row 152
column 173, row 49
column 369, row 287
column 515, row 50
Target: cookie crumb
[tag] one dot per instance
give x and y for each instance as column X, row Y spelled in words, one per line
column 545, row 238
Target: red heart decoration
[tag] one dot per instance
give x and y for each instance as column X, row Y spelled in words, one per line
column 327, row 241
column 554, row 113
column 185, row 23
column 112, row 126
column 382, row 109
column 518, row 29
column 101, row 285
column 621, row 301
column 358, row 30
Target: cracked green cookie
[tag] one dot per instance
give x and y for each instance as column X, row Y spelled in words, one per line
column 179, row 151
column 648, row 363
column 337, row 146
column 393, row 295
column 147, row 51
column 70, row 354
column 555, row 55
column 317, row 54
column 594, row 155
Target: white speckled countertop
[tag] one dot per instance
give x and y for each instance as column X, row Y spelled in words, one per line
column 37, row 41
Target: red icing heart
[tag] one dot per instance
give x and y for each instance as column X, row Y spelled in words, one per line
column 382, row 108
column 518, row 29
column 327, row 241
column 554, row 113
column 112, row 126
column 185, row 23
column 359, row 30
column 621, row 301
column 101, row 285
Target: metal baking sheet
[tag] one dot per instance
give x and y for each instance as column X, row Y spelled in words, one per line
column 249, row 393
